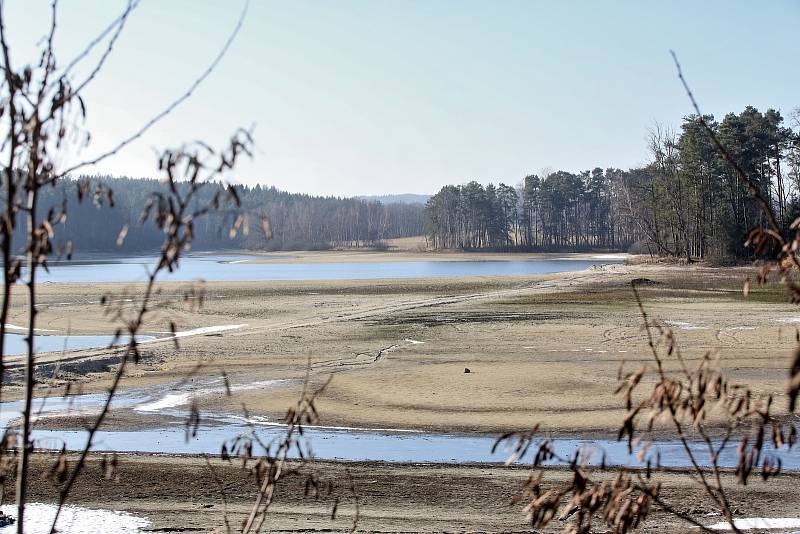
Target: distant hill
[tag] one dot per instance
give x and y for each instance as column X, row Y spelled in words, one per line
column 406, row 198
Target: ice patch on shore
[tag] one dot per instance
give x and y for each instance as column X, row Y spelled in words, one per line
column 263, row 421
column 596, row 351
column 413, row 342
column 209, row 330
column 167, row 401
column 611, row 256
column 680, row 325
column 751, row 523
column 76, row 520
column 25, row 328
column 261, row 384
column 217, row 386
column 203, row 331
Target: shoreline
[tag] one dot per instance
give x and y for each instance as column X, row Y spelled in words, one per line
column 374, row 256
column 352, row 255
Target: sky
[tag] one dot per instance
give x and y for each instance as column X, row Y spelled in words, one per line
column 352, row 97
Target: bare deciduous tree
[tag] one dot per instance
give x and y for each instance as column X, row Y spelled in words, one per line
column 41, row 109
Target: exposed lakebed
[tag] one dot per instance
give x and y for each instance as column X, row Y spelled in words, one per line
column 167, row 407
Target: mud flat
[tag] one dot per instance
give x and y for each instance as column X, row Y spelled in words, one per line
column 391, row 497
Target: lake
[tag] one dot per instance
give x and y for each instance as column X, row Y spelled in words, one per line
column 330, row 443
column 220, row 268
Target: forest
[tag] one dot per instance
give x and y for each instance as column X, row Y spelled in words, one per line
column 687, row 202
column 99, row 208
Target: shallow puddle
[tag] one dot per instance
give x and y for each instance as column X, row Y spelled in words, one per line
column 16, row 343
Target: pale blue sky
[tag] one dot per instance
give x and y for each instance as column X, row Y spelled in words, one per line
column 366, row 97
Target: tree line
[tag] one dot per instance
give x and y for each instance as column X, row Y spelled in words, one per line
column 107, row 205
column 686, row 202
column 561, row 210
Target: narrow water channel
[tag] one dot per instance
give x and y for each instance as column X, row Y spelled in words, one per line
column 327, row 443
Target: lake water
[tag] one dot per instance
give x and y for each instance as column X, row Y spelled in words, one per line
column 366, row 445
column 327, row 443
column 16, row 344
column 234, row 268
